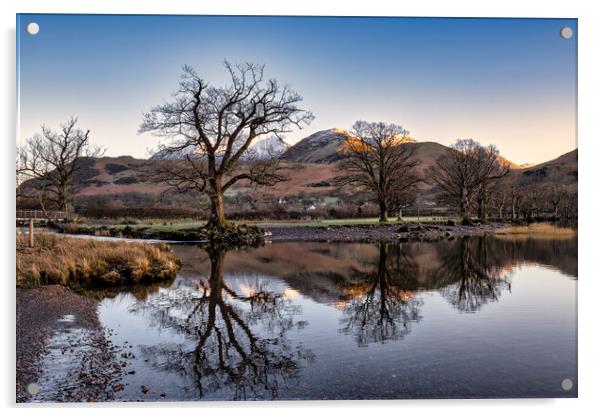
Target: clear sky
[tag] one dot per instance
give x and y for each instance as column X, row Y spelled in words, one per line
column 510, row 82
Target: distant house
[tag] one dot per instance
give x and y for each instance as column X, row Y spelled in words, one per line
column 310, row 207
column 281, row 201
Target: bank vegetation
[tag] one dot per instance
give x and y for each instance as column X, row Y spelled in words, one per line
column 77, row 262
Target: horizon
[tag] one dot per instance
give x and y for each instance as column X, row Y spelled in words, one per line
column 508, row 82
column 289, row 145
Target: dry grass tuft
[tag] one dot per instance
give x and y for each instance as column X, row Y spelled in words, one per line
column 91, row 263
column 539, row 230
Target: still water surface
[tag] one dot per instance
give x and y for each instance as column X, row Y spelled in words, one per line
column 475, row 317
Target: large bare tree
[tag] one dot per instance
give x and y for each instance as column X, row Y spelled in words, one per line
column 51, row 160
column 466, row 171
column 215, row 126
column 378, row 160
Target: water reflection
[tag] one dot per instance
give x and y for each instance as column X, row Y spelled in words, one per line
column 240, row 335
column 381, row 304
column 286, row 320
column 469, row 276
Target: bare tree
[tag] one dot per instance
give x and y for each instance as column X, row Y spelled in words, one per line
column 554, row 195
column 499, row 201
column 51, row 159
column 215, row 126
column 471, row 275
column 378, row 160
column 240, row 340
column 467, row 171
column 388, row 305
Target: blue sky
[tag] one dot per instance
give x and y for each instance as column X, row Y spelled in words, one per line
column 510, row 82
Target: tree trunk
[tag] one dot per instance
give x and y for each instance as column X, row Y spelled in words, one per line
column 484, row 207
column 382, row 279
column 62, row 199
column 382, row 211
column 481, row 209
column 465, row 206
column 218, row 216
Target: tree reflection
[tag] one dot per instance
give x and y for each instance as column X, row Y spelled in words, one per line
column 240, row 345
column 471, row 275
column 383, row 304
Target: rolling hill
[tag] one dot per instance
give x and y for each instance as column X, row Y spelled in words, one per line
column 560, row 171
column 122, row 183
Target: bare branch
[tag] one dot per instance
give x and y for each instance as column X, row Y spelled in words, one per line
column 378, row 159
column 219, row 125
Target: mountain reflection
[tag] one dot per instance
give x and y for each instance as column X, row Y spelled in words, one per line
column 239, row 335
column 240, row 318
column 380, row 305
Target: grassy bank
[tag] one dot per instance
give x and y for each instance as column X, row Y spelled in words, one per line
column 538, row 230
column 78, row 262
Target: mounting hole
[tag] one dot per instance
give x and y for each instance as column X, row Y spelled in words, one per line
column 566, row 384
column 33, row 388
column 33, row 28
column 566, row 32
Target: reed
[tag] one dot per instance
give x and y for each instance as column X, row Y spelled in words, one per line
column 538, row 230
column 77, row 262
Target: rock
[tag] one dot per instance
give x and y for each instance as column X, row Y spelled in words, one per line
column 144, row 389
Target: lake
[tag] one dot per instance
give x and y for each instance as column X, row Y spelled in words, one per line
column 475, row 317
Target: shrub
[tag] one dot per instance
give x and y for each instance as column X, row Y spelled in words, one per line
column 127, row 180
column 113, row 168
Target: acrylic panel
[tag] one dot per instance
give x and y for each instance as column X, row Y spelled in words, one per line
column 295, row 208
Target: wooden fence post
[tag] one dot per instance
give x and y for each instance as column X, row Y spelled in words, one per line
column 31, row 233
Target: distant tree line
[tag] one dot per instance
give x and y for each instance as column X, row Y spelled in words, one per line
column 214, row 127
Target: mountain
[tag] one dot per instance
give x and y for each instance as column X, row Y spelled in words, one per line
column 122, row 184
column 320, row 147
column 325, row 146
column 266, row 148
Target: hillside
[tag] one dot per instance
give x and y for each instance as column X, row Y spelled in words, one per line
column 321, row 147
column 122, row 183
column 559, row 171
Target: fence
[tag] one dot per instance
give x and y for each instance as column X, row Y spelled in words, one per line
column 39, row 215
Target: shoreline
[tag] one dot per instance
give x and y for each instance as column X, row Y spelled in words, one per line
column 54, row 326
column 405, row 231
column 372, row 233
